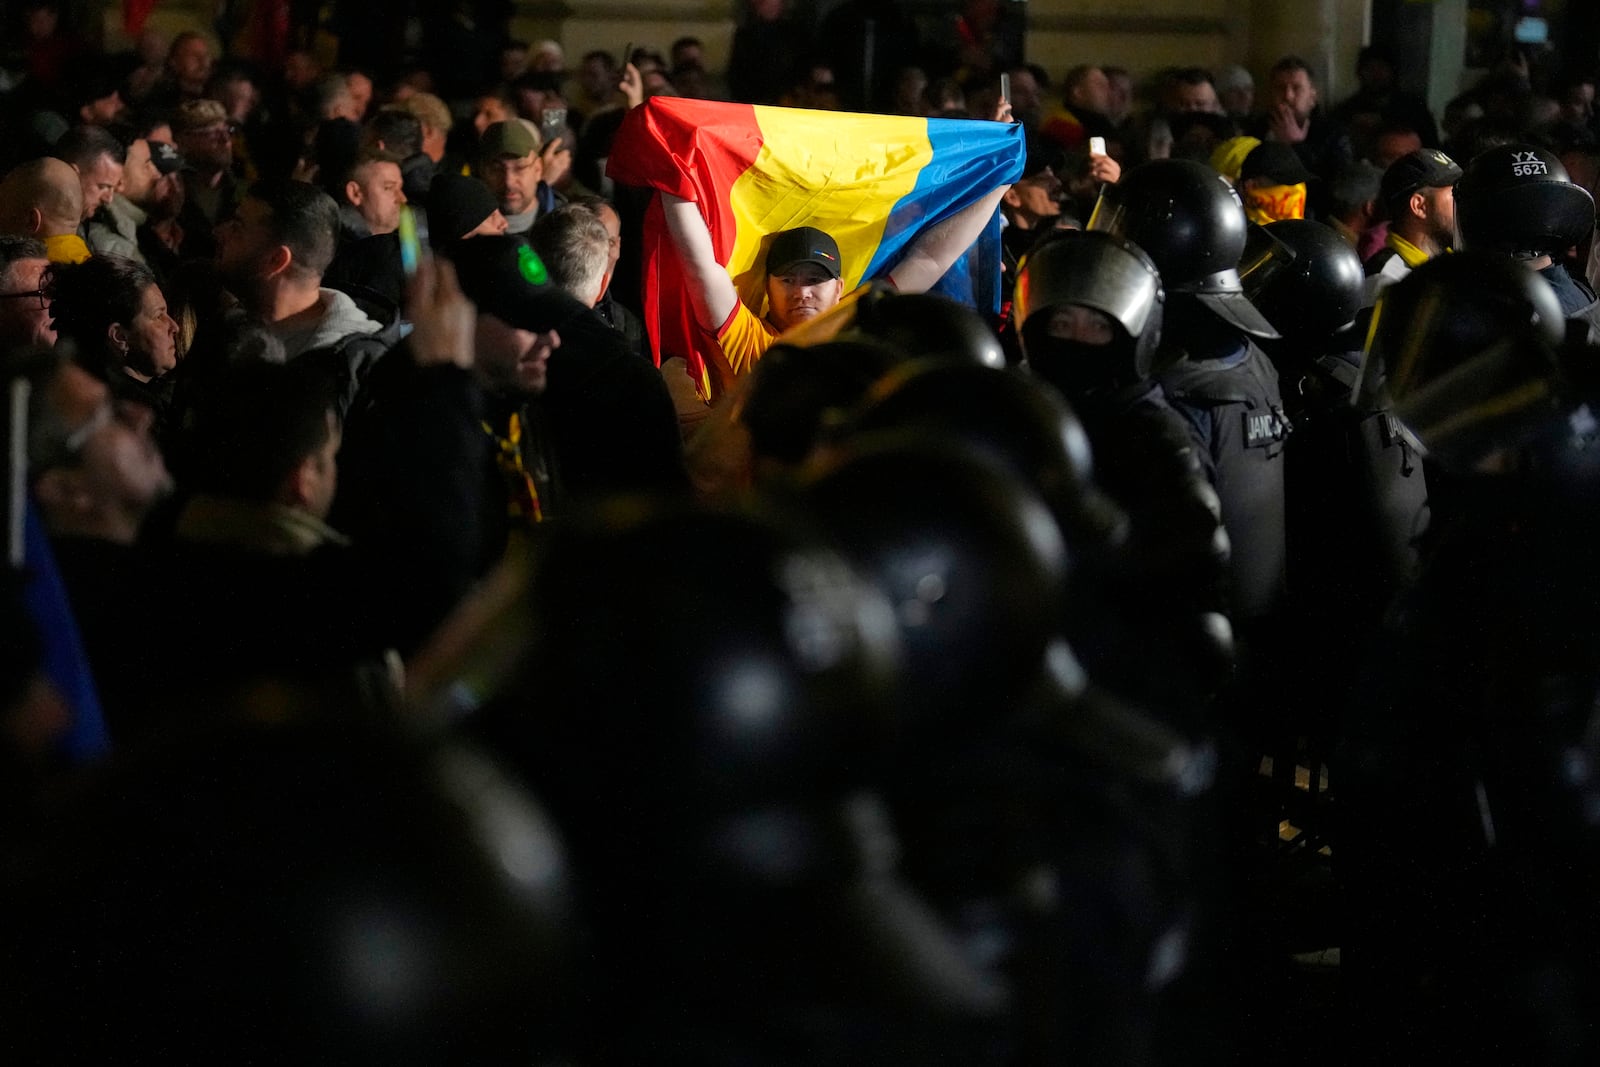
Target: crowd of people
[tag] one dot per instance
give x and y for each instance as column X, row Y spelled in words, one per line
column 404, row 659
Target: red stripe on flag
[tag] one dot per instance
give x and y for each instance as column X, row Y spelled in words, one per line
column 662, row 150
column 134, row 15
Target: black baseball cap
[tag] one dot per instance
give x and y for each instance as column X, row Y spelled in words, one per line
column 804, row 244
column 166, row 157
column 506, row 278
column 1426, row 168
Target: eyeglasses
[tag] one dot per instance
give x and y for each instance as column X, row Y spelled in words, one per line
column 508, row 166
column 37, row 294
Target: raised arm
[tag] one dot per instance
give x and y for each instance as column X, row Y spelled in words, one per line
column 931, row 254
column 711, row 291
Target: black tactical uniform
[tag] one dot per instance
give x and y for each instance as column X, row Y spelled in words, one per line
column 1471, row 861
column 1192, row 225
column 1173, row 588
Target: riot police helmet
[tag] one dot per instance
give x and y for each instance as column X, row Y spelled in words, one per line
column 925, row 326
column 971, row 560
column 1307, row 282
column 1518, row 200
column 700, row 662
column 1104, row 273
column 1015, row 422
column 1191, row 223
column 794, row 393
column 1464, row 347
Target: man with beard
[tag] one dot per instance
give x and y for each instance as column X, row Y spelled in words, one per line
column 148, row 175
column 272, row 255
column 1418, row 195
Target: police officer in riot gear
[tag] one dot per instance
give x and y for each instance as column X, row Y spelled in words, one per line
column 707, row 699
column 1001, row 791
column 1356, row 488
column 1190, row 222
column 1469, row 789
column 1089, row 306
column 1517, row 200
column 1355, row 495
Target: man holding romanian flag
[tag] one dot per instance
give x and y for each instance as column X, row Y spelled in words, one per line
column 768, row 216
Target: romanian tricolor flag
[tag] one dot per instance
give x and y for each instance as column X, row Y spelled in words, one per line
column 873, row 182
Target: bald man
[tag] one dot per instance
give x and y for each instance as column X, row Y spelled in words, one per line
column 43, row 199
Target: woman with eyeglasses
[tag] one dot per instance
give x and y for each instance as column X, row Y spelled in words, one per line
column 115, row 315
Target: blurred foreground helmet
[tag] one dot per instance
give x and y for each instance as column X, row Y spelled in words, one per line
column 970, row 558
column 295, row 893
column 704, row 699
column 1518, row 199
column 913, row 325
column 1189, row 220
column 698, row 663
column 1306, row 280
column 1465, row 348
column 1012, row 421
column 1107, row 274
column 794, row 392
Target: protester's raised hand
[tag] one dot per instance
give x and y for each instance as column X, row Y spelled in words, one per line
column 632, row 85
column 557, row 158
column 1104, row 169
column 443, row 320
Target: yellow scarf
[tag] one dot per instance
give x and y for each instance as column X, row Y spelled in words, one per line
column 522, row 495
column 1273, row 203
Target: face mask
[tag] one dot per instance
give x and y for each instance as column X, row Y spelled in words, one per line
column 1273, row 203
column 1078, row 369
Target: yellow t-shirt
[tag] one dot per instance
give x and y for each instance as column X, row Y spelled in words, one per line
column 744, row 338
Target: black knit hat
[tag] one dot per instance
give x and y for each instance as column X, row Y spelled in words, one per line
column 457, row 205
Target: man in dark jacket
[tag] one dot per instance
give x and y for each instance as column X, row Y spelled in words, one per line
column 558, row 377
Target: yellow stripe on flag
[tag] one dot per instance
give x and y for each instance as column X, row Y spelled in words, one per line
column 815, row 169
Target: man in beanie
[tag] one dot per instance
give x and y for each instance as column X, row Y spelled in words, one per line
column 1272, row 183
column 460, row 207
column 573, row 415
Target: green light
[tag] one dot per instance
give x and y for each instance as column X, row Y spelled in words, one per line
column 531, row 266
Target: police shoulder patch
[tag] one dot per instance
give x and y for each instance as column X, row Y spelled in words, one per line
column 1263, row 428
